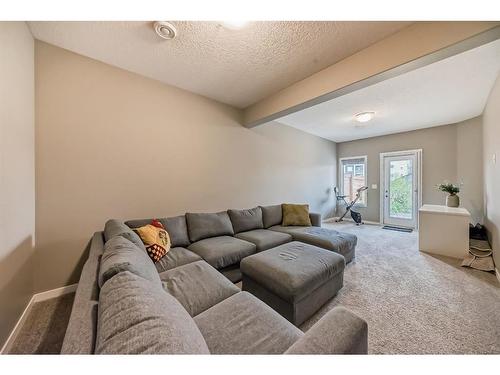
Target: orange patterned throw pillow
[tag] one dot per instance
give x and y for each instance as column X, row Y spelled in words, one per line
column 155, row 238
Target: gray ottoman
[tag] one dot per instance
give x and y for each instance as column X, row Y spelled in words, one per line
column 295, row 279
column 340, row 242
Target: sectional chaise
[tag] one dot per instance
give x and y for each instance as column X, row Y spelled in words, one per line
column 187, row 303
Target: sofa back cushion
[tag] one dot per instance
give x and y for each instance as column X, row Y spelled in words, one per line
column 136, row 316
column 206, row 225
column 121, row 255
column 245, row 220
column 272, row 215
column 114, row 228
column 175, row 226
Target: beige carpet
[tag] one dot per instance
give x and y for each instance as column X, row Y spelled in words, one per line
column 44, row 329
column 416, row 303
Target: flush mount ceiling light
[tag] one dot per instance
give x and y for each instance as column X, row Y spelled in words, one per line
column 364, row 116
column 165, row 30
column 234, row 24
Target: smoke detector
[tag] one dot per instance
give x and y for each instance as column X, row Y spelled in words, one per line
column 165, row 30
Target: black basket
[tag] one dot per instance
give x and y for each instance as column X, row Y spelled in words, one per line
column 478, row 232
column 356, row 216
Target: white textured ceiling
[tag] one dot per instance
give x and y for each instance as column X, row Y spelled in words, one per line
column 445, row 92
column 237, row 67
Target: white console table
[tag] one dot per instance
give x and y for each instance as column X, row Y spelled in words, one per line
column 443, row 230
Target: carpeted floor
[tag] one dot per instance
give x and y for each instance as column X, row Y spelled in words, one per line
column 414, row 303
column 44, row 328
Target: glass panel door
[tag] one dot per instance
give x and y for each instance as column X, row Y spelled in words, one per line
column 400, row 190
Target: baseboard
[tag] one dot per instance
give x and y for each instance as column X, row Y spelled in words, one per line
column 332, row 220
column 53, row 293
column 38, row 297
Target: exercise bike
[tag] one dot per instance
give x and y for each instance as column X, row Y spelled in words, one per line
column 356, row 216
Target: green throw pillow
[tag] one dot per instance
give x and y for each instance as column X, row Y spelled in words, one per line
column 295, row 214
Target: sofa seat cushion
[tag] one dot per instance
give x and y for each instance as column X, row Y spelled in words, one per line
column 136, row 316
column 114, row 228
column 339, row 242
column 175, row 226
column 264, row 239
column 242, row 324
column 293, row 270
column 197, row 286
column 122, row 255
column 232, row 273
column 288, row 229
column 206, row 225
column 245, row 220
column 223, row 251
column 177, row 256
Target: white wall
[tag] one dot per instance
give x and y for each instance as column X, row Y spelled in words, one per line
column 491, row 146
column 110, row 143
column 17, row 172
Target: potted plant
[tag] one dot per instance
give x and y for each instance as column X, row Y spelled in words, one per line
column 452, row 199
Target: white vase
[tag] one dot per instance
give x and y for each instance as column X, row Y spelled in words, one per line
column 452, row 200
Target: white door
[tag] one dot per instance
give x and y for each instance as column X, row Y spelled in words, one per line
column 400, row 188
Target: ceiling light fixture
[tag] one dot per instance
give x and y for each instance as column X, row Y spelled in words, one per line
column 234, row 24
column 364, row 116
column 165, row 30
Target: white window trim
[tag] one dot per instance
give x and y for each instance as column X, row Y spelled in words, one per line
column 341, row 177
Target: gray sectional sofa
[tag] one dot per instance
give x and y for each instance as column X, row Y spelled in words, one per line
column 187, row 303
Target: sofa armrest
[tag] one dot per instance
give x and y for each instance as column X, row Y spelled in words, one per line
column 315, row 219
column 338, row 332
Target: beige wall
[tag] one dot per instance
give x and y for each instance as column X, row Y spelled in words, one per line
column 439, row 162
column 491, row 146
column 110, row 143
column 17, row 172
column 469, row 166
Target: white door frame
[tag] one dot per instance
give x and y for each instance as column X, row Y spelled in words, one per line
column 418, row 154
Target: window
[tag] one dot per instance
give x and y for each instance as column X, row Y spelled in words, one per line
column 353, row 177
